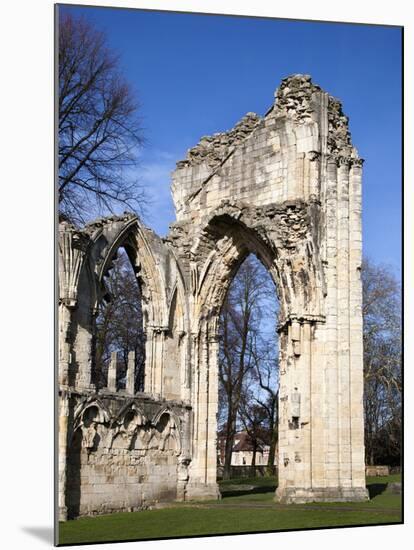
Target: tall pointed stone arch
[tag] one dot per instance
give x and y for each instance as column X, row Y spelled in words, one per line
column 290, row 184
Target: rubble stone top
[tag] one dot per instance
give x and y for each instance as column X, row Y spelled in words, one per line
column 213, row 149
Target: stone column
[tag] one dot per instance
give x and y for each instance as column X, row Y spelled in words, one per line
column 72, row 247
column 195, row 387
column 283, row 413
column 130, row 383
column 62, row 454
column 295, row 421
column 84, row 345
column 158, row 337
column 344, row 442
column 324, row 363
column 303, row 454
column 65, row 320
column 318, row 439
column 202, row 483
column 112, row 372
column 149, row 357
column 154, row 350
column 327, row 474
column 212, row 410
column 314, row 174
column 184, row 353
column 355, row 331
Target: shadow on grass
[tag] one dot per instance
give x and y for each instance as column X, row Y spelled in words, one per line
column 254, row 491
column 376, row 489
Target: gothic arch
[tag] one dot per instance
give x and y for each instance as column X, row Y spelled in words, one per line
column 168, row 425
column 134, row 238
column 131, row 406
column 103, row 415
column 231, row 242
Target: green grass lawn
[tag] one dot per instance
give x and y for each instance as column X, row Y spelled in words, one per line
column 233, row 514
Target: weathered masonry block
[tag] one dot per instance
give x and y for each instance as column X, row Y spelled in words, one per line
column 286, row 187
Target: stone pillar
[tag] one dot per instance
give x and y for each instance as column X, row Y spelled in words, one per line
column 65, row 320
column 130, row 383
column 62, row 454
column 282, row 420
column 328, row 474
column 355, row 330
column 72, row 248
column 318, row 436
column 212, row 410
column 321, row 448
column 112, row 372
column 188, row 373
column 84, row 344
column 314, row 174
column 344, row 440
column 303, row 454
column 295, row 404
column 149, row 358
column 202, row 483
column 158, row 337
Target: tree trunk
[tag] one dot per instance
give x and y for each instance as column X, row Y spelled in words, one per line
column 228, row 449
column 254, row 453
column 272, row 450
column 274, row 427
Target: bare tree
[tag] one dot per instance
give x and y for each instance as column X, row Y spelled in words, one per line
column 240, row 325
column 260, row 403
column 99, row 130
column 253, row 419
column 382, row 363
column 267, row 398
column 248, row 368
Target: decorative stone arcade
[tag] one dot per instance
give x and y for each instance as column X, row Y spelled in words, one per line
column 286, row 187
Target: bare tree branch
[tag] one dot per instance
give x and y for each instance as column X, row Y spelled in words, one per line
column 100, row 132
column 382, row 364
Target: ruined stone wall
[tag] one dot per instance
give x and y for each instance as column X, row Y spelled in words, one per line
column 120, row 450
column 275, row 158
column 286, row 187
column 124, row 453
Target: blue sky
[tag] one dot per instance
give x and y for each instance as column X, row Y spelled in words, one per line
column 198, row 74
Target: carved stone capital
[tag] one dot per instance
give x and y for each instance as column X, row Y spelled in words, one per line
column 302, row 319
column 343, row 161
column 313, row 155
column 72, row 247
column 357, row 162
column 213, row 338
column 157, row 329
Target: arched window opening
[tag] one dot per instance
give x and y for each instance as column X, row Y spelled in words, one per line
column 120, row 332
column 248, row 371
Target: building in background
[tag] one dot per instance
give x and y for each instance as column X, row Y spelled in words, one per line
column 243, row 450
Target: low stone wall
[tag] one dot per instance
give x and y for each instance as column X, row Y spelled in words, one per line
column 246, row 471
column 125, row 455
column 377, row 470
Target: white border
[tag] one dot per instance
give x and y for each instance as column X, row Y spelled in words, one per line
column 27, row 266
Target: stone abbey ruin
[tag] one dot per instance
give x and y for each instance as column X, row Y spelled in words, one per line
column 286, row 187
